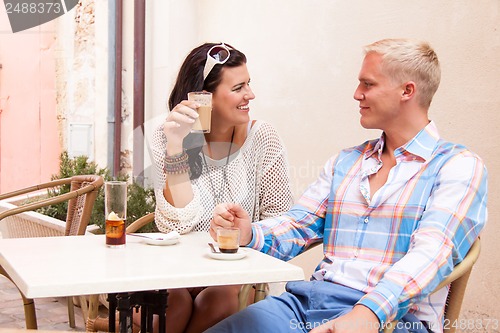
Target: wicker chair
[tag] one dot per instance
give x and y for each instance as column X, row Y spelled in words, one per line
column 457, row 281
column 21, row 222
column 307, row 260
column 96, row 323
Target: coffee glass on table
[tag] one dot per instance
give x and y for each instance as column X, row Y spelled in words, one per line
column 115, row 207
column 204, row 99
column 228, row 239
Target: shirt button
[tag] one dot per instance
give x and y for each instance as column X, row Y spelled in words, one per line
column 366, row 220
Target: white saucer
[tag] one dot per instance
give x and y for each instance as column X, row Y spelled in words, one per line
column 158, row 238
column 228, row 256
column 161, row 242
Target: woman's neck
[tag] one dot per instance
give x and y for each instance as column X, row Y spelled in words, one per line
column 220, row 143
column 220, row 134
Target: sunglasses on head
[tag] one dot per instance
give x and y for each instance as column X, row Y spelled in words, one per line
column 217, row 55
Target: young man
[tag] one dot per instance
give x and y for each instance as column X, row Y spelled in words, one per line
column 395, row 214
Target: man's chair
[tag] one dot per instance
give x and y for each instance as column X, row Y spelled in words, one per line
column 19, row 221
column 457, row 281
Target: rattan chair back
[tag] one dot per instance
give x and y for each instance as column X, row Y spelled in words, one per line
column 18, row 221
column 21, row 221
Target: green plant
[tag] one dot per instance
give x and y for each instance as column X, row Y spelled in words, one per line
column 140, row 201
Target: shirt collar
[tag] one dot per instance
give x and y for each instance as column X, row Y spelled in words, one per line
column 421, row 145
column 377, row 148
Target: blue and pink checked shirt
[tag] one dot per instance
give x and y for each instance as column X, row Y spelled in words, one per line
column 398, row 245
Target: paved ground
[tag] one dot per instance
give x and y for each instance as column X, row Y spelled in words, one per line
column 51, row 313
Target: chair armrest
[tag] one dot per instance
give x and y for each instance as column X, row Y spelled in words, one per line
column 95, row 182
column 463, row 267
column 140, row 222
column 458, row 279
column 28, row 224
column 35, row 188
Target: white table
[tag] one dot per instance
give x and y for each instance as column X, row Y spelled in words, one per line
column 83, row 265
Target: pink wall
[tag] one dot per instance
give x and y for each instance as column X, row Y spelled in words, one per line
column 29, row 138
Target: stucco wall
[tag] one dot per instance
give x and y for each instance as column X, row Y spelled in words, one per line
column 82, row 80
column 29, row 139
column 304, row 57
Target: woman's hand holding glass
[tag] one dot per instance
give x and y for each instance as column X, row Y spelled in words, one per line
column 179, row 123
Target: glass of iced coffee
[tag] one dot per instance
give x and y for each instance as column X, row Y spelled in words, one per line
column 204, row 99
column 115, row 206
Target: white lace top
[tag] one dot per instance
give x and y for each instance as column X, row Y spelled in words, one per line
column 257, row 178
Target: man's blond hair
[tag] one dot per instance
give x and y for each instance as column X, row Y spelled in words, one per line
column 410, row 60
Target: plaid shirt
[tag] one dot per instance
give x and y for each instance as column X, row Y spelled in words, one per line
column 398, row 245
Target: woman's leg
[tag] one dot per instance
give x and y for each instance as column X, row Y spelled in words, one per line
column 212, row 305
column 179, row 309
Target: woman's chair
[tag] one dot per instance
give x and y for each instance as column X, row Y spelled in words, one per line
column 307, row 260
column 96, row 323
column 19, row 221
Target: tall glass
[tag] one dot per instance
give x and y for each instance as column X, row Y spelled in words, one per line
column 115, row 206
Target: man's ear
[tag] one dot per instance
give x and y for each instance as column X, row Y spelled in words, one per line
column 409, row 90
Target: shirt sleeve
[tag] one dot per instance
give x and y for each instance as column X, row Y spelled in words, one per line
column 455, row 214
column 288, row 235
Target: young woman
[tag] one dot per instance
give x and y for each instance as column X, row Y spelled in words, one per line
column 239, row 160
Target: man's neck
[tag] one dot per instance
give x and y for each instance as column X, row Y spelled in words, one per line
column 402, row 134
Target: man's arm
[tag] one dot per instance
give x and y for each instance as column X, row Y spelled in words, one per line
column 286, row 236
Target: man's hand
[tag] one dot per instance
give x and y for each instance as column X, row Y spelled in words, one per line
column 232, row 215
column 359, row 320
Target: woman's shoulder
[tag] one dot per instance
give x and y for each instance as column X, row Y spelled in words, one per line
column 263, row 135
column 263, row 128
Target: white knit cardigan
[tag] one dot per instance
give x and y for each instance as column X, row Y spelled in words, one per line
column 257, row 178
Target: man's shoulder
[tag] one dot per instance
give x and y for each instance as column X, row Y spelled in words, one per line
column 448, row 149
column 454, row 155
